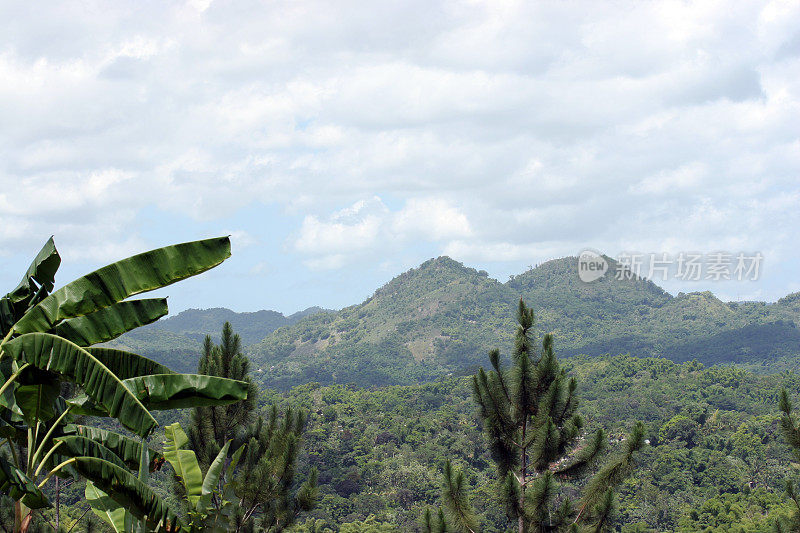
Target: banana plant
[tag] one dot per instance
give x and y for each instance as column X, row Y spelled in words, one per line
column 202, row 491
column 48, row 341
column 107, row 508
column 200, row 517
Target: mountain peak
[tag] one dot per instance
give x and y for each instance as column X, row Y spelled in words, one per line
column 430, row 275
column 444, row 262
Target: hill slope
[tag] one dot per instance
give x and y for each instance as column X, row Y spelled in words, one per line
column 443, row 317
column 177, row 340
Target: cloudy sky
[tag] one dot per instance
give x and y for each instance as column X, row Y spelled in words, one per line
column 341, row 143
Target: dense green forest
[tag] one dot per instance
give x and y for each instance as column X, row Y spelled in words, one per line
column 386, row 385
column 716, row 458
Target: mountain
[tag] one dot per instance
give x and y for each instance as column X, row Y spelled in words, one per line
column 442, row 317
column 612, row 316
column 178, row 340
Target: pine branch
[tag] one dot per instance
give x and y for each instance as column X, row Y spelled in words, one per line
column 790, row 431
column 539, row 499
column 545, row 446
column 523, row 387
column 603, row 512
column 615, row 470
column 510, row 492
column 494, row 357
column 427, row 523
column 585, row 456
column 571, row 402
column 456, row 500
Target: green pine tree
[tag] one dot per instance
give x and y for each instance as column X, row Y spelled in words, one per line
column 266, row 475
column 263, row 479
column 212, row 427
column 535, row 438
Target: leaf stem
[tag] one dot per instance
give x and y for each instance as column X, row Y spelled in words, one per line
column 35, row 433
column 56, row 469
column 47, row 436
column 46, row 457
column 8, row 336
column 5, row 339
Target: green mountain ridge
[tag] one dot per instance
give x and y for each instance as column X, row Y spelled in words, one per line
column 442, row 317
column 177, row 340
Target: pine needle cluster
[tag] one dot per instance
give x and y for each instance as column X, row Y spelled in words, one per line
column 267, row 470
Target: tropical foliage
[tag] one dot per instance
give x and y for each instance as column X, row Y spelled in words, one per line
column 51, row 374
column 791, row 432
column 380, row 451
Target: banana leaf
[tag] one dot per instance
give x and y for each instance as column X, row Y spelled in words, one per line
column 118, row 281
column 105, row 508
column 211, row 481
column 111, row 322
column 16, row 484
column 126, row 365
column 42, row 271
column 36, row 394
column 8, row 429
column 37, row 283
column 8, row 368
column 184, row 462
column 125, row 489
column 37, row 402
column 126, row 448
column 159, row 392
column 53, row 353
column 176, row 391
column 7, row 315
column 78, row 446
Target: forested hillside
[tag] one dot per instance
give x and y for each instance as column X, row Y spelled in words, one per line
column 715, row 461
column 716, row 458
column 442, row 317
column 177, row 340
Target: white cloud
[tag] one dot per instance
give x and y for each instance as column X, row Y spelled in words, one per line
column 370, row 226
column 430, row 219
column 350, row 229
column 686, row 177
column 483, row 252
column 490, row 129
column 259, row 269
column 242, row 239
